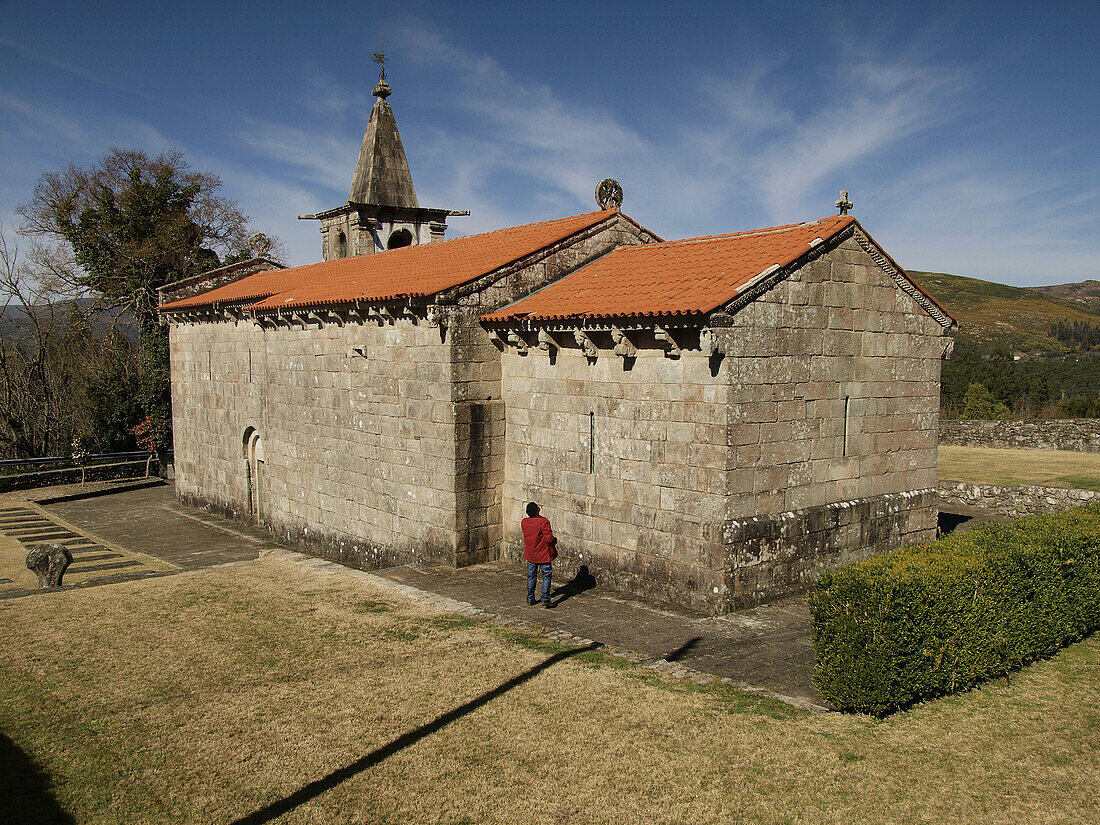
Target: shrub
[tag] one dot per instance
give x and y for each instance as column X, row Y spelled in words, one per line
column 933, row 619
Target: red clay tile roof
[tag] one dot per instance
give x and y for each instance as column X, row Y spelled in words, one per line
column 685, row 277
column 412, row 271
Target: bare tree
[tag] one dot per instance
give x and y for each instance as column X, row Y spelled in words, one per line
column 55, row 369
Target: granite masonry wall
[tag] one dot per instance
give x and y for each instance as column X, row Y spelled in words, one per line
column 834, row 377
column 787, row 552
column 476, row 375
column 357, row 429
column 720, row 483
column 1016, row 500
column 629, row 464
column 1080, row 435
column 382, row 443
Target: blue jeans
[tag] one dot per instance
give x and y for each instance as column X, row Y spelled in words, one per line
column 532, row 576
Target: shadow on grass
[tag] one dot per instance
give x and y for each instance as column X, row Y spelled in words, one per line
column 949, row 522
column 325, row 783
column 25, row 794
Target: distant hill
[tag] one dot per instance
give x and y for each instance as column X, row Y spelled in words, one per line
column 13, row 319
column 996, row 318
column 1085, row 292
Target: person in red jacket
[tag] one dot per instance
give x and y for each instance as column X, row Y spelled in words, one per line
column 539, row 550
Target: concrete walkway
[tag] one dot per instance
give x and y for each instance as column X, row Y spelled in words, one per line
column 766, row 648
column 150, row 520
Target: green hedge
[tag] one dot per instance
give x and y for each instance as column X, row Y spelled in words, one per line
column 937, row 618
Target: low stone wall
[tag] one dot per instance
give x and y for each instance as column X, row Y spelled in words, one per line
column 773, row 556
column 72, row 475
column 1077, row 434
column 1015, row 501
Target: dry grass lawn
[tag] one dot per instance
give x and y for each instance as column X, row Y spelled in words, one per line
column 204, row 697
column 1048, row 468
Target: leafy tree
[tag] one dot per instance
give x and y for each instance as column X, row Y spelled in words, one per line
column 134, row 223
column 980, row 404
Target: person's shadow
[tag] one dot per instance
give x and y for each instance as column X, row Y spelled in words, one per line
column 584, row 580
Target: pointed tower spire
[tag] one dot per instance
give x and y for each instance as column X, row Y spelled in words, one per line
column 382, row 175
column 382, row 211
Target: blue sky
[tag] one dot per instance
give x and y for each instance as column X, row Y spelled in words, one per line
column 965, row 132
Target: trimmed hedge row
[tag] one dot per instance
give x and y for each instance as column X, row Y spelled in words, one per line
column 937, row 618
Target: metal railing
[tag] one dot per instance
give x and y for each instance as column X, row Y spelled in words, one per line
column 140, row 455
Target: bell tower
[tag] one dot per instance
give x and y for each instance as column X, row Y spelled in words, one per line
column 382, row 211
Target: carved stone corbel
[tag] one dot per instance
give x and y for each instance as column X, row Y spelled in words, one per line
column 517, row 342
column 437, row 316
column 623, row 347
column 587, row 345
column 664, row 337
column 546, row 341
column 709, row 343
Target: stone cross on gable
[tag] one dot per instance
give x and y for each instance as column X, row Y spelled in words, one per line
column 844, row 204
column 379, row 57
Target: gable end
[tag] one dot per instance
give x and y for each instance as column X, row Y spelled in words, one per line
column 902, row 280
column 767, row 280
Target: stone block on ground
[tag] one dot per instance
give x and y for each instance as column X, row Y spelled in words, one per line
column 49, row 562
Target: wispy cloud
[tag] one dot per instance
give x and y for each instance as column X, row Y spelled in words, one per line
column 877, row 107
column 769, row 138
column 320, row 155
column 35, row 122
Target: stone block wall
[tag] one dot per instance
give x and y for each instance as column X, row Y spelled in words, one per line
column 1079, row 434
column 721, row 483
column 835, row 389
column 476, row 388
column 834, row 398
column 383, row 444
column 772, row 555
column 359, row 448
column 628, row 464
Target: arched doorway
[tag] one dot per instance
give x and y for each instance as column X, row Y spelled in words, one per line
column 254, row 470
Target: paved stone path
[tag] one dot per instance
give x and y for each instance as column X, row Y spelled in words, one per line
column 150, row 520
column 766, row 648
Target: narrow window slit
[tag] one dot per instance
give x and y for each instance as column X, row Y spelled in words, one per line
column 592, row 442
column 847, row 418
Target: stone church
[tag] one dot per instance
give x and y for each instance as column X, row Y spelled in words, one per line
column 708, row 422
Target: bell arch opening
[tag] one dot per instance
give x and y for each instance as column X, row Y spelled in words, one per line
column 399, row 238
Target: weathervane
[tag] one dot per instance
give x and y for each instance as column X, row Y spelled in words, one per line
column 381, row 88
column 844, row 204
column 379, row 57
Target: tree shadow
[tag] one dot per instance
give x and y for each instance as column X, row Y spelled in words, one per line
column 584, row 580
column 680, row 652
column 325, row 783
column 25, row 793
